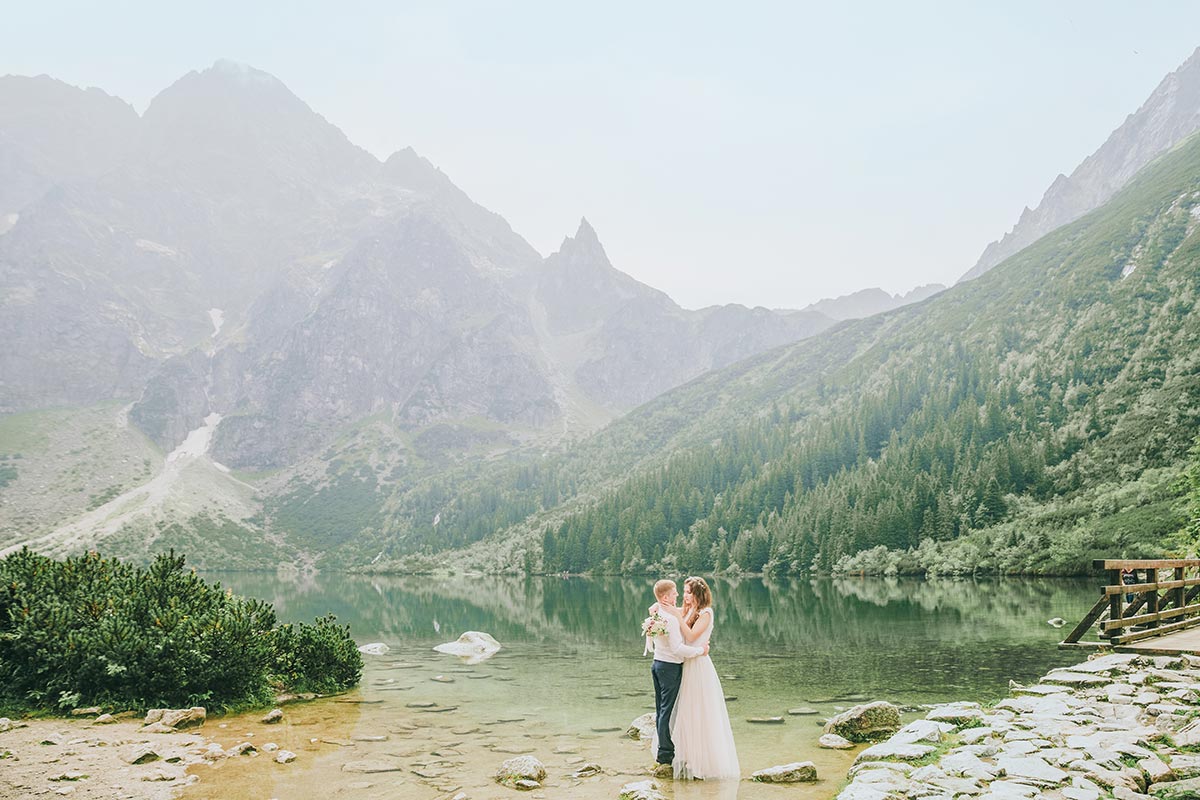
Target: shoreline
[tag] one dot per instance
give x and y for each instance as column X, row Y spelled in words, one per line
column 1075, row 734
column 1118, row 724
column 76, row 757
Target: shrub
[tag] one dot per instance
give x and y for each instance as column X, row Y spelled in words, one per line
column 96, row 631
column 315, row 658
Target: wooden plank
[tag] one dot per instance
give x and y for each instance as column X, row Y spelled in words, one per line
column 1152, row 605
column 1114, row 600
column 1185, row 641
column 1145, row 563
column 1177, row 595
column 1135, row 588
column 1064, row 645
column 1086, row 622
column 1153, row 649
column 1137, row 637
column 1141, row 619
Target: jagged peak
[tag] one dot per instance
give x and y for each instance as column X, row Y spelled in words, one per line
column 243, row 74
column 585, row 240
column 586, row 231
column 232, row 81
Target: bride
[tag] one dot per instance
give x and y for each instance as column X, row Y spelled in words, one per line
column 704, row 747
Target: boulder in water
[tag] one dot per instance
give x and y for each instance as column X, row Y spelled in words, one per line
column 374, row 649
column 865, row 723
column 472, row 647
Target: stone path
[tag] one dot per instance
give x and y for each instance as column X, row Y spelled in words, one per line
column 1117, row 725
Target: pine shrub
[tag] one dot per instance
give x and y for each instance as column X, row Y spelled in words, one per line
column 95, row 631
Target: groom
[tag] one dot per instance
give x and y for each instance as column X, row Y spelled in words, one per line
column 669, row 654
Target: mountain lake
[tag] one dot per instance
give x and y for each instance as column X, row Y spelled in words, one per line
column 571, row 677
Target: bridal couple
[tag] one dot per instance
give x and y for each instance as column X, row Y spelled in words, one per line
column 692, row 733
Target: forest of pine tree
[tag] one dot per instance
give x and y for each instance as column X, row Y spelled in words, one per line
column 1026, row 422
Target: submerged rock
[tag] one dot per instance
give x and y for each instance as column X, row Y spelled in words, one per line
column 372, row 767
column 472, row 647
column 374, row 649
column 831, row 741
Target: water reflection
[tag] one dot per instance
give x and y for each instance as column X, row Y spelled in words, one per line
column 571, row 674
column 908, row 639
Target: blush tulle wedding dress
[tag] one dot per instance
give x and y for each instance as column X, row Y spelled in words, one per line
column 704, row 748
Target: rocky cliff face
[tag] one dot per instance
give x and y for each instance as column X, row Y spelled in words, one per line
column 1169, row 115
column 622, row 342
column 232, row 252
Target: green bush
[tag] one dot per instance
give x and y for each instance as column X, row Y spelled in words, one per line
column 96, row 631
column 315, row 658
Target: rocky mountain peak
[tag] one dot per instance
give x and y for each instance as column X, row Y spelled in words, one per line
column 52, row 132
column 582, row 250
column 1170, row 114
column 235, row 114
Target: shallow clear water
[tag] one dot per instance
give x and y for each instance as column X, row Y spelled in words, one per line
column 571, row 669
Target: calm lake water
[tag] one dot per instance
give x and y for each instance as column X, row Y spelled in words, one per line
column 571, row 670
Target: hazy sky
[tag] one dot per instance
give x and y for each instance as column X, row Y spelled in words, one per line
column 765, row 153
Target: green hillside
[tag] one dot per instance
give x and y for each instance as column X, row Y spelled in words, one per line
column 1025, row 421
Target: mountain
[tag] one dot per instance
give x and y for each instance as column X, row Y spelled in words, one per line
column 231, row 282
column 867, row 302
column 1169, row 115
column 53, row 133
column 1027, row 421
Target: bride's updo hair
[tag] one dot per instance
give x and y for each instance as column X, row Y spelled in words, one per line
column 700, row 592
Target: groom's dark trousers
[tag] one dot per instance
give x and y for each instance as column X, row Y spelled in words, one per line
column 666, row 689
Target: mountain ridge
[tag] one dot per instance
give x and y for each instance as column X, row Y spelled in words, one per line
column 341, row 318
column 1168, row 116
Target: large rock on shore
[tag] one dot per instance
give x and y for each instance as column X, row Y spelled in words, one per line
column 642, row 728
column 798, row 772
column 866, row 723
column 176, row 719
column 1178, row 790
column 642, row 790
column 517, row 772
column 472, row 647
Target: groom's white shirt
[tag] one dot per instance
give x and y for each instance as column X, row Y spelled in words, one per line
column 670, row 646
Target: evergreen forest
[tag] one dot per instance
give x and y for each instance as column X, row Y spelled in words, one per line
column 1027, row 421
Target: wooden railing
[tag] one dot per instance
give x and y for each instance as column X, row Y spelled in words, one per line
column 1143, row 599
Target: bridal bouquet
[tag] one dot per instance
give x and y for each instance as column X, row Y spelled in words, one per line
column 654, row 625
